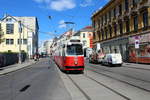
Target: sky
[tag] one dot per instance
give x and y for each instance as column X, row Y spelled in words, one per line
column 77, row 11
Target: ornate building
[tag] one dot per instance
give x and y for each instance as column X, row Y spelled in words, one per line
column 119, row 24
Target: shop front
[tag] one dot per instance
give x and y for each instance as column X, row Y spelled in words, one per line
column 139, row 53
column 119, row 45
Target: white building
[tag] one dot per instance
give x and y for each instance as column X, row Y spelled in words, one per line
column 29, row 34
column 46, row 47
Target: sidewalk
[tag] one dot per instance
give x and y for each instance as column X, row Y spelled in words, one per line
column 138, row 66
column 15, row 67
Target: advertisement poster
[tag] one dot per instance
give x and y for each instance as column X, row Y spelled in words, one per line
column 141, row 54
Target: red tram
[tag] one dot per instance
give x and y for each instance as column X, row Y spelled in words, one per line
column 69, row 56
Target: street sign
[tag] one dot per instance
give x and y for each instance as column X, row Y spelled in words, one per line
column 98, row 46
column 137, row 42
column 137, row 37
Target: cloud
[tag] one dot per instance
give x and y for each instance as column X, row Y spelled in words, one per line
column 86, row 3
column 61, row 5
column 58, row 5
column 62, row 24
column 42, row 1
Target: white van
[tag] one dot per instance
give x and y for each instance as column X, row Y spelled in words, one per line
column 112, row 59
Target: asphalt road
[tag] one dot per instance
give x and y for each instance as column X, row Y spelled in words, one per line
column 44, row 81
column 41, row 81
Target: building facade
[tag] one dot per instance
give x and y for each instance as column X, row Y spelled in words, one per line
column 120, row 21
column 86, row 37
column 16, row 28
column 47, row 46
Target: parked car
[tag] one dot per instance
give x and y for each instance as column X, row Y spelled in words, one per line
column 96, row 57
column 112, row 59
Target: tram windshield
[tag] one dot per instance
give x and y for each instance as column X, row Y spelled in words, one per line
column 74, row 49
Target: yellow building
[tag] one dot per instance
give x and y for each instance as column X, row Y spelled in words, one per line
column 118, row 23
column 11, row 29
column 86, row 37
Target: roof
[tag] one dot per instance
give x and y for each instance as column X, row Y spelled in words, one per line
column 87, row 29
column 103, row 8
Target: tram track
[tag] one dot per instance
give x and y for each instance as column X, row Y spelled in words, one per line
column 136, row 68
column 81, row 90
column 119, row 80
column 139, row 79
column 99, row 83
column 123, row 96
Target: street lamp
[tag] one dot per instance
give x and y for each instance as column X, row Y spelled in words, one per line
column 20, row 30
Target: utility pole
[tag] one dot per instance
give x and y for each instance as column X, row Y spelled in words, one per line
column 20, row 41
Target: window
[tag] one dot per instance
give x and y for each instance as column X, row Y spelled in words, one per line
column 109, row 15
column 114, row 12
column 105, row 18
column 19, row 41
column 9, row 28
column 145, row 19
column 98, row 22
column 115, row 29
column 24, row 41
column 8, row 19
column 90, row 35
column 135, row 23
column 102, row 34
column 135, row 2
column 84, row 42
column 74, row 49
column 110, row 31
column 102, row 20
column 127, row 26
column 120, row 25
column 126, row 5
column 120, row 9
column 9, row 41
column 106, row 34
column 83, row 35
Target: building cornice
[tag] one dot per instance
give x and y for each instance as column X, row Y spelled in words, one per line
column 103, row 8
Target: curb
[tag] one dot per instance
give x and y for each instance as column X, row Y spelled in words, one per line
column 17, row 68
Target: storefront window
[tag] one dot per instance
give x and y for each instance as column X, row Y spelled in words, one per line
column 135, row 23
column 145, row 19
